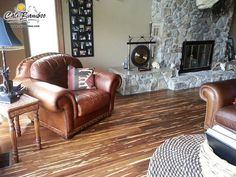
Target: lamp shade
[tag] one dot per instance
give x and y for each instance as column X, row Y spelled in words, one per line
column 8, row 40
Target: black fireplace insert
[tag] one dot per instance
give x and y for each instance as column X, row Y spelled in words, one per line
column 196, row 56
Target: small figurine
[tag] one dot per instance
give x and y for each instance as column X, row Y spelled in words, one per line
column 6, row 82
column 155, row 65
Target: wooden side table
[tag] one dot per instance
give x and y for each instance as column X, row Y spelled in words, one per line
column 12, row 112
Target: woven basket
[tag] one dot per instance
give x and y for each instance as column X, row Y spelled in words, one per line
column 214, row 166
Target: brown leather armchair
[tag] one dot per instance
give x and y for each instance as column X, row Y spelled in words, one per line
column 219, row 97
column 61, row 110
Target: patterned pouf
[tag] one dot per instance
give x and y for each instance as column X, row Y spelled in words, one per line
column 177, row 157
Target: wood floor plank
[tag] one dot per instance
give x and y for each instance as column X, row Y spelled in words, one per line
column 120, row 145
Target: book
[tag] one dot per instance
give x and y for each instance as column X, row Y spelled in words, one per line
column 223, row 143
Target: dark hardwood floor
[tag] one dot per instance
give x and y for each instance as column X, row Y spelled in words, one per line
column 120, row 145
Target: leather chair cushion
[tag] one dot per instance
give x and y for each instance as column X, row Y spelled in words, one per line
column 226, row 116
column 91, row 100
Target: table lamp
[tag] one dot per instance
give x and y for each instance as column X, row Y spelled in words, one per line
column 8, row 42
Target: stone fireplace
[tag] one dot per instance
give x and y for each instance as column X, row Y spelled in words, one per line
column 176, row 21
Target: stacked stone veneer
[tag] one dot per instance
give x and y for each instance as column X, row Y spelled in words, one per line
column 134, row 81
column 196, row 79
column 180, row 20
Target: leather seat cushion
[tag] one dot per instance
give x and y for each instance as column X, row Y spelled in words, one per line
column 91, row 100
column 226, row 116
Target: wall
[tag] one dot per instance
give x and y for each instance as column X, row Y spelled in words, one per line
column 13, row 57
column 114, row 21
column 181, row 20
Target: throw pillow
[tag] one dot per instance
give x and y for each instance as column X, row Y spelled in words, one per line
column 80, row 78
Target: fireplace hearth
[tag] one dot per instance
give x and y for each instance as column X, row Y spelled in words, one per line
column 196, row 56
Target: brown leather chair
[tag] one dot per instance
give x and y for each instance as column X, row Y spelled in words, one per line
column 61, row 110
column 219, row 97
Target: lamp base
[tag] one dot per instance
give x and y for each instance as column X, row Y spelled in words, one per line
column 13, row 96
column 6, row 98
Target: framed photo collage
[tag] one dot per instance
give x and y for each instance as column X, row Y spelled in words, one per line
column 81, row 27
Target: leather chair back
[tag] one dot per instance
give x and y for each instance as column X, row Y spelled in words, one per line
column 53, row 69
column 23, row 68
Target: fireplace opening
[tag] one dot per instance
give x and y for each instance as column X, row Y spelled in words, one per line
column 196, row 56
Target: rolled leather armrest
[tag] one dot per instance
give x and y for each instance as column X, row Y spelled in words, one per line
column 217, row 95
column 109, row 82
column 52, row 97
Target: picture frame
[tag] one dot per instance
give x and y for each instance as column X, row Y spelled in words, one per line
column 155, row 30
column 81, row 28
